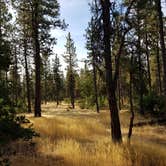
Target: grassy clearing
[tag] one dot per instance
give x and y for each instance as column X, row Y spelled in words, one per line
column 83, row 139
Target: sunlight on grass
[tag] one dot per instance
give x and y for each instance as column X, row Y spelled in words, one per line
column 86, row 141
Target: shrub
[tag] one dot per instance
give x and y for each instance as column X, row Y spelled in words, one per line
column 154, row 103
column 11, row 125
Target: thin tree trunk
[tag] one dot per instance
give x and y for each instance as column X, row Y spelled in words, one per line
column 140, row 65
column 57, row 100
column 72, row 102
column 141, row 81
column 95, row 84
column 158, row 68
column 16, row 76
column 72, row 88
column 6, row 77
column 119, row 91
column 45, row 84
column 148, row 62
column 114, row 114
column 27, row 77
column 131, row 101
column 162, row 42
column 0, row 25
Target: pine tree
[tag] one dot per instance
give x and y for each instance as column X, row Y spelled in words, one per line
column 71, row 61
column 94, row 45
column 25, row 31
column 5, row 50
column 57, row 80
column 112, row 27
column 44, row 15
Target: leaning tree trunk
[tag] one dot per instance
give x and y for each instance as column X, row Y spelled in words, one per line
column 110, row 84
column 162, row 42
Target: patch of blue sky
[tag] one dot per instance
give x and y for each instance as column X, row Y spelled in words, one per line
column 77, row 14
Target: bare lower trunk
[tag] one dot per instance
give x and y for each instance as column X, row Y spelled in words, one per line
column 131, row 104
column 72, row 102
column 115, row 122
column 158, row 68
column 57, row 101
column 95, row 86
column 15, row 90
column 141, row 109
column 119, row 91
column 57, row 97
column 45, row 85
column 110, row 84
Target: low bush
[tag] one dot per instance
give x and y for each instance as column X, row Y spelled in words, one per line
column 154, row 104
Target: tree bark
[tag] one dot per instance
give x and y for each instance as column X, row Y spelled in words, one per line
column 15, row 79
column 148, row 61
column 119, row 90
column 27, row 77
column 37, row 61
column 95, row 83
column 72, row 89
column 162, row 42
column 131, row 101
column 158, row 68
column 110, row 84
column 45, row 83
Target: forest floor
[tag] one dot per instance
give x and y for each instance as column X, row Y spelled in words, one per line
column 82, row 138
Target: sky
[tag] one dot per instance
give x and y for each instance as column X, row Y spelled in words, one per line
column 77, row 14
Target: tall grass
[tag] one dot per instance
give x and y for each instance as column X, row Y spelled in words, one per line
column 83, row 141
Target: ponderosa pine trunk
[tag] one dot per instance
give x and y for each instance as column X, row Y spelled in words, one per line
column 148, row 61
column 158, row 75
column 162, row 42
column 45, row 84
column 95, row 84
column 119, row 90
column 15, row 90
column 131, row 101
column 72, row 94
column 37, row 60
column 110, row 84
column 27, row 77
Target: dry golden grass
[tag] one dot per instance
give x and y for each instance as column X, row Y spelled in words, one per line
column 78, row 138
